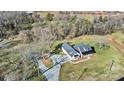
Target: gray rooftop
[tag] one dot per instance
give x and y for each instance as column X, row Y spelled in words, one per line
column 69, row 49
column 83, row 48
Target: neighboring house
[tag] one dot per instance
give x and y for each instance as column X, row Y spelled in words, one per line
column 76, row 51
column 68, row 50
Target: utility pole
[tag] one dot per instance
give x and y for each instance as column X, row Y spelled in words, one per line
column 111, row 65
column 82, row 73
column 38, row 69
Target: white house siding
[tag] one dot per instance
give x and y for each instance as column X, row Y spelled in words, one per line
column 67, row 53
column 71, row 58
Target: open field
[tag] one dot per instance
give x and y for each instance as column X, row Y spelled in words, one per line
column 96, row 68
column 99, row 66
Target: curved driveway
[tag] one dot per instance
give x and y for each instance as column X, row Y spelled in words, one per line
column 53, row 73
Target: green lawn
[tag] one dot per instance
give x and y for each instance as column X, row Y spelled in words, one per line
column 98, row 67
column 119, row 36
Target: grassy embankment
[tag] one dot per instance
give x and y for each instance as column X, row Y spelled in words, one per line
column 98, row 67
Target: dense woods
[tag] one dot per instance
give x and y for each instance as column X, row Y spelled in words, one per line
column 60, row 25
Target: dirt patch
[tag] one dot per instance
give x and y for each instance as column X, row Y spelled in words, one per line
column 122, row 43
column 84, row 59
column 88, row 37
column 118, row 46
column 48, row 62
column 93, row 57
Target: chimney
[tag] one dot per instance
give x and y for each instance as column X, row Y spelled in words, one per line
column 80, row 52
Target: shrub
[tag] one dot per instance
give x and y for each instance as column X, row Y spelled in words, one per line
column 49, row 17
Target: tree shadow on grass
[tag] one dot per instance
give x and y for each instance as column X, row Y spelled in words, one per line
column 93, row 50
column 121, row 79
column 57, row 49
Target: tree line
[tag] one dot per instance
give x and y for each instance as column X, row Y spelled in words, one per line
column 60, row 25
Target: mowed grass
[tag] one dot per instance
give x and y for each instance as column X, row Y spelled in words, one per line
column 98, row 67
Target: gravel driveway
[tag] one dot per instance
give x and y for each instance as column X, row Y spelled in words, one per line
column 53, row 74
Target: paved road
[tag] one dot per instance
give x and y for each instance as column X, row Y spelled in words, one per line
column 42, row 67
column 53, row 73
column 50, row 74
column 60, row 59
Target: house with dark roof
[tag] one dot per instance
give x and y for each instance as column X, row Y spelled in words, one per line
column 83, row 48
column 76, row 51
column 70, row 51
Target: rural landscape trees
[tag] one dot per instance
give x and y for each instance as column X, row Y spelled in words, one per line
column 28, row 34
column 60, row 24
